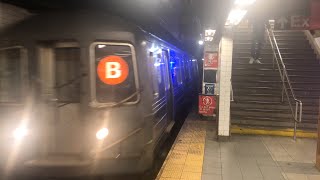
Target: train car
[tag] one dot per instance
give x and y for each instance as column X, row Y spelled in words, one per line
column 88, row 94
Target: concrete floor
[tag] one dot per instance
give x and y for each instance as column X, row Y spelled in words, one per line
column 249, row 157
column 197, row 155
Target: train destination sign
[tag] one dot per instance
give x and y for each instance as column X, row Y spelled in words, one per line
column 112, row 70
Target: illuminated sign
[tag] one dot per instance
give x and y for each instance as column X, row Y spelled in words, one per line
column 292, row 22
column 112, row 70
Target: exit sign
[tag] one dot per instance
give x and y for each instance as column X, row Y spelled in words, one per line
column 295, row 22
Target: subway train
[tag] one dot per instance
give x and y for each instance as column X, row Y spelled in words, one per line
column 89, row 94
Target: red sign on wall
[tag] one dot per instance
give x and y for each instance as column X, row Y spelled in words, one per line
column 315, row 15
column 207, row 104
column 211, row 60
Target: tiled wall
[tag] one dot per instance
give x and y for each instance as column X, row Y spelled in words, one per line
column 225, row 70
column 10, row 14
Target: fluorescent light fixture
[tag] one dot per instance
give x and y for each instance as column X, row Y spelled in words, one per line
column 102, row 133
column 20, row 132
column 235, row 16
column 101, row 46
column 209, row 32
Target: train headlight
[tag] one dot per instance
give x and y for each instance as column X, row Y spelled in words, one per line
column 20, row 133
column 102, row 133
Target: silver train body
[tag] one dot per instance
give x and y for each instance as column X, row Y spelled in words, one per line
column 58, row 117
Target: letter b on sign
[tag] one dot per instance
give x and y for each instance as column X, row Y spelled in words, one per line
column 112, row 70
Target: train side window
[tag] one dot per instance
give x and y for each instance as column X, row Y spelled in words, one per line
column 158, row 74
column 122, row 84
column 165, row 57
column 180, row 75
column 195, row 68
column 190, row 68
column 175, row 68
column 11, row 74
column 186, row 68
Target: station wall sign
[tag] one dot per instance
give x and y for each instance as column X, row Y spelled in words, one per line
column 209, row 88
column 207, row 105
column 296, row 22
column 211, row 60
column 209, row 76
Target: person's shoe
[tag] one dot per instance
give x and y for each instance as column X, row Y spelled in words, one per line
column 251, row 60
column 258, row 61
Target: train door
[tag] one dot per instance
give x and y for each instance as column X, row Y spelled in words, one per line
column 60, row 77
column 161, row 91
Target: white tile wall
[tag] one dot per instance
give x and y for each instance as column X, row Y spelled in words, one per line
column 225, row 69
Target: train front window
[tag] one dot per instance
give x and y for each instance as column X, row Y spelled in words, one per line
column 67, row 74
column 11, row 75
column 114, row 73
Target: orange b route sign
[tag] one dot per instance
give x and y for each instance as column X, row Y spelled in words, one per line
column 112, row 70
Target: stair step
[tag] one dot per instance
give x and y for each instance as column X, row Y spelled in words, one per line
column 270, row 106
column 270, row 59
column 265, row 50
column 272, row 98
column 276, row 32
column 247, row 44
column 257, row 88
column 237, row 86
column 291, row 70
column 284, row 115
column 271, row 72
column 270, row 122
column 271, row 103
column 279, row 41
column 305, row 65
column 278, row 37
column 274, row 91
column 258, row 78
column 270, row 55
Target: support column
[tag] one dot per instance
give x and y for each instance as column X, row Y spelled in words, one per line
column 225, row 69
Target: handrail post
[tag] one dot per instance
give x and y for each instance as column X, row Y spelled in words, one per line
column 300, row 115
column 295, row 131
column 283, row 86
column 295, row 122
column 296, row 112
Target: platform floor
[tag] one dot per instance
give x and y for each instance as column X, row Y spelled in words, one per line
column 197, row 155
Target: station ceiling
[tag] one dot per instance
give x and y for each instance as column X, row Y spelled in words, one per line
column 210, row 12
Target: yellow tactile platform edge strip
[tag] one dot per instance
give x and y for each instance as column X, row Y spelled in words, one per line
column 185, row 159
column 278, row 132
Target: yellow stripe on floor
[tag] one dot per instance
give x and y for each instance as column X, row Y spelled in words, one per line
column 276, row 132
column 185, row 159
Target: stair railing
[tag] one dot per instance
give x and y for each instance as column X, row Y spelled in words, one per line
column 286, row 83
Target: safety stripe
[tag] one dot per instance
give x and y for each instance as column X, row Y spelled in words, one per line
column 185, row 159
column 273, row 132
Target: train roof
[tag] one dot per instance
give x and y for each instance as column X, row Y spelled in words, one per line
column 81, row 25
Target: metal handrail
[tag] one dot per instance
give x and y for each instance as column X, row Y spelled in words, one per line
column 297, row 114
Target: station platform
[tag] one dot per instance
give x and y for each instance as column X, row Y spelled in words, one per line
column 197, row 155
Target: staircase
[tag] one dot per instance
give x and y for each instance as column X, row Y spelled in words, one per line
column 257, row 87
